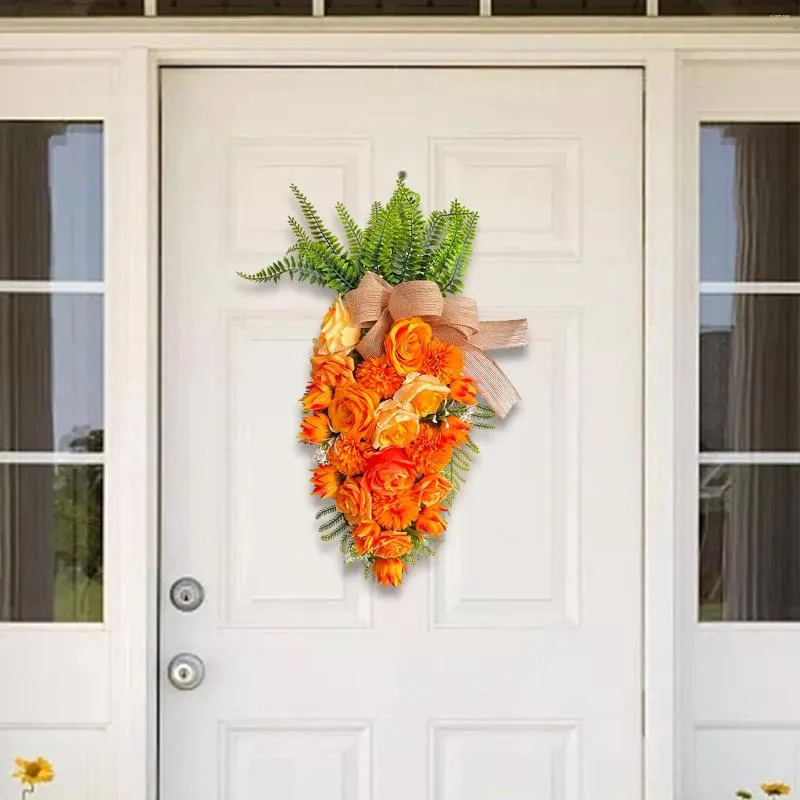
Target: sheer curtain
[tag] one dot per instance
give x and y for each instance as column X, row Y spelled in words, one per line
column 761, row 551
column 26, row 493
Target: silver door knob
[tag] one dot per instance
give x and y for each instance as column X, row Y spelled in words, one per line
column 187, row 594
column 186, row 671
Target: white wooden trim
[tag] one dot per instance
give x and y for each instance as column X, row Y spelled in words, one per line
column 132, row 420
column 710, row 287
column 52, row 287
column 661, row 764
column 53, row 458
column 754, row 458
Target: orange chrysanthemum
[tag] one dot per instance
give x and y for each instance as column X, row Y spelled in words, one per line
column 315, row 429
column 395, row 511
column 389, row 571
column 348, row 455
column 431, row 521
column 454, row 430
column 464, row 390
column 379, row 375
column 443, row 360
column 428, row 451
column 325, row 480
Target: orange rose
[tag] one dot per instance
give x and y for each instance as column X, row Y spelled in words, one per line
column 454, row 430
column 348, row 455
column 406, row 344
column 335, row 370
column 395, row 425
column 431, row 521
column 317, row 397
column 464, row 390
column 428, row 451
column 395, row 511
column 352, row 410
column 443, row 360
column 325, row 480
column 423, row 393
column 390, row 472
column 432, row 489
column 389, row 572
column 314, row 429
column 354, row 501
column 366, row 537
column 393, row 544
column 338, row 334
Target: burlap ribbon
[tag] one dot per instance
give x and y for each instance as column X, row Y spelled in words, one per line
column 376, row 304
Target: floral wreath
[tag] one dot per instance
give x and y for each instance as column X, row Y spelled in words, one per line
column 396, row 374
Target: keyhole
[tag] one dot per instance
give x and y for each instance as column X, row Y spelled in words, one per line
column 186, row 596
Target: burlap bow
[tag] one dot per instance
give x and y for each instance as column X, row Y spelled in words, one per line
column 376, row 304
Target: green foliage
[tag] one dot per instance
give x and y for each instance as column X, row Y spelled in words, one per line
column 398, row 242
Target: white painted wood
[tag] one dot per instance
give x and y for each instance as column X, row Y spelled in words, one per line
column 485, row 674
column 708, row 287
column 742, row 715
column 52, row 287
column 55, row 687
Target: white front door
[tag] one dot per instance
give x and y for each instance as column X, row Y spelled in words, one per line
column 508, row 668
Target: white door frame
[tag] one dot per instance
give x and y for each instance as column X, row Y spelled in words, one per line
column 133, row 51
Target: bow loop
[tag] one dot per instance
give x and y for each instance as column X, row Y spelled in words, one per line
column 376, row 304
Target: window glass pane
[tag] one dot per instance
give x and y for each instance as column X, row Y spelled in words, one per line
column 749, row 372
column 51, row 543
column 201, row 8
column 51, row 201
column 727, row 7
column 570, row 7
column 401, row 7
column 71, row 8
column 749, row 543
column 51, row 370
column 750, row 202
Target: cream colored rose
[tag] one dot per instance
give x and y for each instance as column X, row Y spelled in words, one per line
column 395, row 425
column 423, row 393
column 338, row 335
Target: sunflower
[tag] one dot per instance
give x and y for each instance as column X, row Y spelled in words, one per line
column 774, row 789
column 33, row 772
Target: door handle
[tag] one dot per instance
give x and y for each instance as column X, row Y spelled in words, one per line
column 186, row 671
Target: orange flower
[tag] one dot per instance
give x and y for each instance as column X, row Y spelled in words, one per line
column 395, row 511
column 406, row 344
column 431, row 521
column 393, row 544
column 366, row 537
column 389, row 572
column 395, row 424
column 317, row 397
column 348, row 455
column 464, row 390
column 354, row 501
column 352, row 410
column 314, row 429
column 432, row 489
column 390, row 472
column 428, row 451
column 325, row 480
column 423, row 393
column 335, row 370
column 443, row 360
column 454, row 430
column 379, row 375
column 338, row 334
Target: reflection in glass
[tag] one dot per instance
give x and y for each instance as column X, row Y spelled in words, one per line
column 750, row 201
column 71, row 8
column 51, row 201
column 401, row 7
column 269, row 8
column 727, row 7
column 749, row 372
column 749, row 543
column 51, row 369
column 51, row 541
column 597, row 8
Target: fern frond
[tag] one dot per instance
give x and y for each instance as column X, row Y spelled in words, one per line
column 323, row 512
column 291, row 266
column 333, row 523
column 352, row 232
column 453, row 281
column 315, row 223
column 331, row 535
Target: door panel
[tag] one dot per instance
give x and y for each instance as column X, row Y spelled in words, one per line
column 509, row 666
